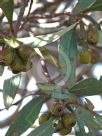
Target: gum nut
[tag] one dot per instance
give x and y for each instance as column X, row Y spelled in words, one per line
column 17, row 66
column 84, row 57
column 57, row 109
column 65, row 131
column 44, row 117
column 58, row 126
column 68, row 120
column 25, row 51
column 95, row 57
column 8, row 55
column 26, row 66
column 93, row 37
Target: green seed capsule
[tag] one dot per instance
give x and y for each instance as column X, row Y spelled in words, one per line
column 84, row 57
column 8, row 56
column 58, row 126
column 68, row 120
column 57, row 109
column 44, row 117
column 65, row 131
column 93, row 36
column 16, row 66
column 25, row 52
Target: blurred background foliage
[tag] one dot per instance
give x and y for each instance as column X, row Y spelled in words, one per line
column 43, row 20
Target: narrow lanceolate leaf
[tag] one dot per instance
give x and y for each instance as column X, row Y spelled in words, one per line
column 1, row 70
column 82, row 5
column 46, row 129
column 10, row 88
column 56, row 92
column 12, row 42
column 83, row 129
column 90, row 119
column 87, row 87
column 98, row 119
column 42, row 40
column 26, row 117
column 68, row 55
column 8, row 7
column 46, row 87
column 97, row 6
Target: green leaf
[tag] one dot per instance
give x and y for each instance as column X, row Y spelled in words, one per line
column 99, row 44
column 10, row 88
column 56, row 92
column 12, row 42
column 26, row 117
column 97, row 6
column 68, row 55
column 83, row 5
column 64, row 95
column 1, row 70
column 46, row 129
column 42, row 40
column 83, row 129
column 87, row 87
column 47, row 87
column 8, row 8
column 98, row 120
column 48, row 56
column 89, row 119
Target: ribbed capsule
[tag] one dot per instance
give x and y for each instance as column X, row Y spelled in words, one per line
column 25, row 51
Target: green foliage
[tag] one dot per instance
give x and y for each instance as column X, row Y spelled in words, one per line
column 68, row 55
column 26, row 117
column 66, row 94
column 83, row 129
column 56, row 91
column 46, row 129
column 8, row 8
column 87, row 87
column 88, row 118
column 97, row 6
column 82, row 5
column 10, row 88
column 43, row 40
column 12, row 42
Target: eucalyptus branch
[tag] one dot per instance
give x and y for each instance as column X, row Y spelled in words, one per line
column 45, row 70
column 31, row 3
column 27, row 95
column 20, row 16
column 77, row 16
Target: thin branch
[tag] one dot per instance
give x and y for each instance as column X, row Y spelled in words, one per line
column 20, row 16
column 19, row 101
column 31, row 3
column 45, row 70
column 54, row 15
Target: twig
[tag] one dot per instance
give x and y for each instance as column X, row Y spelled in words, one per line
column 20, row 16
column 45, row 70
column 78, row 16
column 52, row 15
column 31, row 2
column 97, row 25
column 19, row 101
